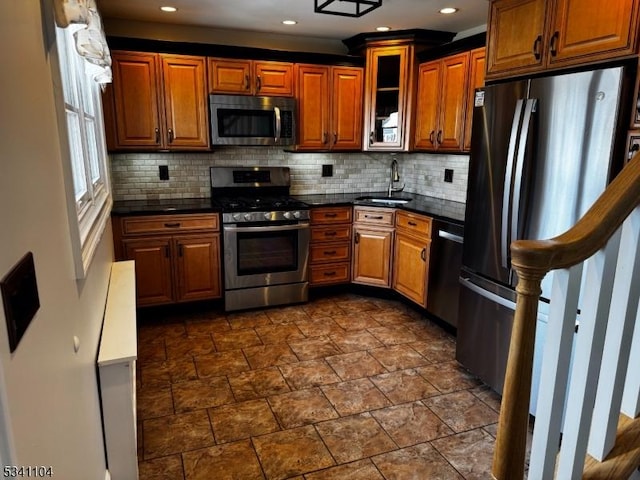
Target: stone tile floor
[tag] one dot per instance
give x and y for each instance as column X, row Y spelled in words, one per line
column 344, row 387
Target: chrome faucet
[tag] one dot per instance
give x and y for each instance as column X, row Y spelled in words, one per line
column 395, row 177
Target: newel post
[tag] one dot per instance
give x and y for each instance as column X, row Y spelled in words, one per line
column 509, row 454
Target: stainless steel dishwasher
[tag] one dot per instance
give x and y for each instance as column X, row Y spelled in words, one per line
column 444, row 270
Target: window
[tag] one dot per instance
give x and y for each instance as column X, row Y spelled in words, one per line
column 88, row 190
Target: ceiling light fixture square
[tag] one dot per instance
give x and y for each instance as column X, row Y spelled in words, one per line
column 346, row 8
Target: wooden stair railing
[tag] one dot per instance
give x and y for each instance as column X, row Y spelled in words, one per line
column 532, row 260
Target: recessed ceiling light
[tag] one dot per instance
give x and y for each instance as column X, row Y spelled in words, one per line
column 383, row 29
column 448, row 10
column 289, row 22
column 169, row 9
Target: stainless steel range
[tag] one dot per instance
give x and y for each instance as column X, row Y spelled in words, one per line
column 265, row 237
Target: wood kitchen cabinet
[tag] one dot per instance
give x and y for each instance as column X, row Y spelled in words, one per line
column 158, row 102
column 250, row 77
column 476, row 80
column 389, row 96
column 329, row 107
column 177, row 257
column 373, row 230
column 330, row 247
column 412, row 248
column 441, row 103
column 527, row 36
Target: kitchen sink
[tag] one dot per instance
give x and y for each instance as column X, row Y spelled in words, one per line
column 387, row 200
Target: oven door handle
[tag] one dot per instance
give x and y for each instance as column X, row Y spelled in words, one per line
column 275, row 228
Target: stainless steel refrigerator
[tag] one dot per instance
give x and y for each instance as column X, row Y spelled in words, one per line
column 542, row 151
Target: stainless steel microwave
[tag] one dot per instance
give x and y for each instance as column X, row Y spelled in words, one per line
column 245, row 120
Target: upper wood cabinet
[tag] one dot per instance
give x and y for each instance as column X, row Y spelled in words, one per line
column 389, row 92
column 530, row 35
column 329, row 107
column 158, row 102
column 250, row 77
column 476, row 80
column 442, row 98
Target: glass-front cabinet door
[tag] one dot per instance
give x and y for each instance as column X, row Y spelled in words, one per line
column 386, row 109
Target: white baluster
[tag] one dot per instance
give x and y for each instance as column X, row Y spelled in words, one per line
column 615, row 358
column 599, row 275
column 556, row 358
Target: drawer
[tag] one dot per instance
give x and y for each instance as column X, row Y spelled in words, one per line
column 376, row 216
column 323, row 215
column 330, row 274
column 418, row 224
column 330, row 234
column 168, row 223
column 330, row 252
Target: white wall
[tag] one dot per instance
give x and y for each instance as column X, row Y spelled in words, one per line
column 51, row 392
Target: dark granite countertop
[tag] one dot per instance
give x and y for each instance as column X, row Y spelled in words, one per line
column 164, row 206
column 434, row 207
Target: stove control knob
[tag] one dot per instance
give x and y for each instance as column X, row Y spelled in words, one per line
column 247, row 217
column 268, row 215
column 287, row 215
column 237, row 217
column 296, row 214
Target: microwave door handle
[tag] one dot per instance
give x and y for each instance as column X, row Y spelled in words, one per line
column 508, row 176
column 520, row 161
column 278, row 124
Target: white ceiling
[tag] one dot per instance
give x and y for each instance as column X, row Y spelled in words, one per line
column 267, row 15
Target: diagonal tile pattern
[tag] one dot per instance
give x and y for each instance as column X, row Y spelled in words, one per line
column 343, row 387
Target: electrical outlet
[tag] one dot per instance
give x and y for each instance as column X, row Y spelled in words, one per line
column 327, row 170
column 164, row 172
column 448, row 175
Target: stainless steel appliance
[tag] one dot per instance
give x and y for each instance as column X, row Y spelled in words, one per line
column 248, row 120
column 444, row 270
column 542, row 151
column 265, row 237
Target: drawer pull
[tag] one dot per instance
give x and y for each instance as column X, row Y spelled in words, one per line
column 413, row 224
column 172, row 225
column 330, row 274
column 330, row 252
column 374, row 217
column 330, row 215
column 330, row 234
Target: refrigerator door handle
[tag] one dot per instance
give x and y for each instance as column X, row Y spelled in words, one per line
column 519, row 166
column 508, row 176
column 467, row 283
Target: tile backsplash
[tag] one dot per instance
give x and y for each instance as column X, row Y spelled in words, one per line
column 135, row 176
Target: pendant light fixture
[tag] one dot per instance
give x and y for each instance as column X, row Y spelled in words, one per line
column 346, row 8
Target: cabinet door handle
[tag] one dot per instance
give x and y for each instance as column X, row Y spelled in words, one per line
column 329, row 252
column 357, row 238
column 553, row 44
column 157, row 135
column 172, row 225
column 371, row 137
column 413, row 224
column 180, row 249
column 423, row 254
column 258, row 83
column 439, row 138
column 335, row 137
column 247, row 82
column 431, row 135
column 166, row 251
column 374, row 217
column 324, row 138
column 536, row 47
column 170, row 135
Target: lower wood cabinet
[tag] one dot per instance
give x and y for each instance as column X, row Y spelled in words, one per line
column 177, row 257
column 411, row 256
column 372, row 246
column 330, row 249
